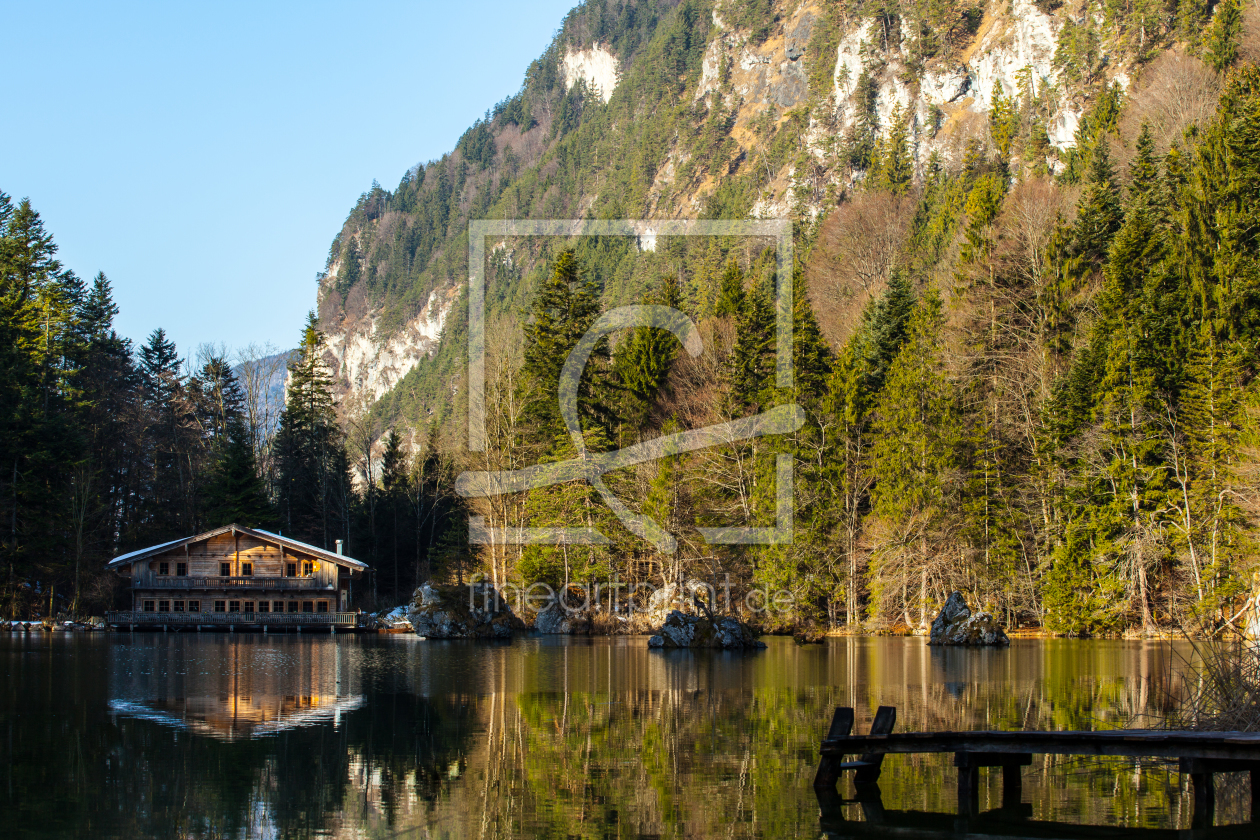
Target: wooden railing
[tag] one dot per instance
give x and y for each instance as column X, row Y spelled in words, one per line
column 339, row 619
column 238, row 582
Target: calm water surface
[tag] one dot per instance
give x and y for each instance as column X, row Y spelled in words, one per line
column 186, row 735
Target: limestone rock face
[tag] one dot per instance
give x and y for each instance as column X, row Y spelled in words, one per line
column 689, row 631
column 957, row 625
column 462, row 612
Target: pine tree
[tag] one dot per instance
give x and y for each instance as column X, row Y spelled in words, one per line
column 235, row 493
column 811, row 359
column 645, row 358
column 913, row 455
column 1003, row 122
column 751, row 366
column 895, row 170
column 1222, row 44
column 884, row 329
column 395, row 485
column 731, row 292
column 845, row 473
column 566, row 306
column 1099, row 214
column 310, row 455
column 220, row 399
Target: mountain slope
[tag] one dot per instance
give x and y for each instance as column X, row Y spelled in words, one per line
column 676, row 110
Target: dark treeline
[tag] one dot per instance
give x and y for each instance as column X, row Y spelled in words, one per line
column 107, row 447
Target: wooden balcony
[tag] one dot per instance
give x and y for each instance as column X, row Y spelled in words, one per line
column 244, row 621
column 240, row 582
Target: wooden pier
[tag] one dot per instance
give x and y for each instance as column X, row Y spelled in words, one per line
column 1199, row 754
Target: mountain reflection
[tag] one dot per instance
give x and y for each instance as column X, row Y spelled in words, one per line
column 211, row 736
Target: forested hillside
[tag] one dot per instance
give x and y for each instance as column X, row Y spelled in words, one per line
column 1025, row 321
column 1025, row 344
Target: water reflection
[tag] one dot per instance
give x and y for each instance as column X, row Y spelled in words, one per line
column 229, row 687
column 354, row 736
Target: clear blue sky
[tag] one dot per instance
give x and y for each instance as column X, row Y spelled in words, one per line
column 204, row 155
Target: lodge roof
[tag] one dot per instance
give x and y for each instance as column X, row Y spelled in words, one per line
column 256, row 533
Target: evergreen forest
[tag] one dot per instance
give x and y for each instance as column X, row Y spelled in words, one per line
column 1027, row 371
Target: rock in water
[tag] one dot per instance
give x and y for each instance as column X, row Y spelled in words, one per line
column 395, row 619
column 462, row 612
column 809, row 636
column 554, row 619
column 689, row 631
column 957, row 625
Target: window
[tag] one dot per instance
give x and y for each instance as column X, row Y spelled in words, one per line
column 220, row 606
column 247, row 569
column 249, row 606
column 194, row 606
column 264, row 606
column 225, row 570
column 308, row 568
column 164, row 606
column 148, row 606
column 293, row 606
column 308, row 606
column 181, row 570
column 277, row 606
column 177, row 606
column 164, row 568
column 234, row 606
column 290, row 569
column 321, row 607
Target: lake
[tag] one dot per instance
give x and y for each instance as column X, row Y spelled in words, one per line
column 213, row 735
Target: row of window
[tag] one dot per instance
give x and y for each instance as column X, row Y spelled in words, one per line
column 164, row 606
column 247, row 569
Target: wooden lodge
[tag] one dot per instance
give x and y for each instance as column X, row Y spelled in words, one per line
column 241, row 578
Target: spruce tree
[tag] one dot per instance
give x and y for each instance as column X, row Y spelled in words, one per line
column 235, row 493
column 884, row 329
column 566, row 306
column 913, row 455
column 1222, row 43
column 645, row 358
column 751, row 366
column 310, row 456
column 731, row 291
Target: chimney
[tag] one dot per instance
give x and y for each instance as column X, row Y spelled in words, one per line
column 338, row 546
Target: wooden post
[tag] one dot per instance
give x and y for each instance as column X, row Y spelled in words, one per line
column 968, row 784
column 885, row 718
column 829, row 766
column 1204, row 800
column 1012, row 785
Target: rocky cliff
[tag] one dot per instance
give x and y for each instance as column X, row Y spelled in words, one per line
column 736, row 107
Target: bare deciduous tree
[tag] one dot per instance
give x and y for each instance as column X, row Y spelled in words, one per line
column 858, row 248
column 261, row 370
column 1174, row 92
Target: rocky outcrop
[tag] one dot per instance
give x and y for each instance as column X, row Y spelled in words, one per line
column 690, row 631
column 462, row 612
column 555, row 620
column 957, row 625
column 395, row 619
column 673, row 597
column 809, row 636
